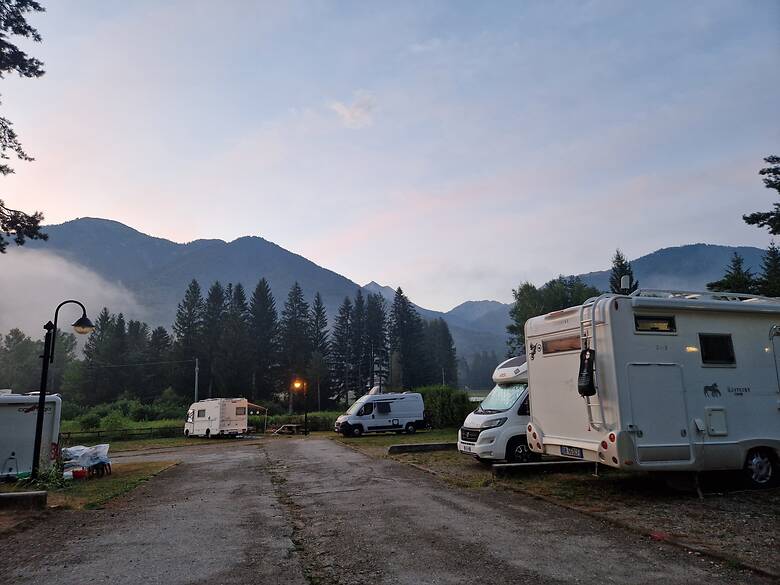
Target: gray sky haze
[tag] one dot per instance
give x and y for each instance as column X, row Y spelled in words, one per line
column 452, row 148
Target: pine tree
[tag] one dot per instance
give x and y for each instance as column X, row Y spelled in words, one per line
column 264, row 331
column 769, row 280
column 341, row 351
column 407, row 342
column 235, row 355
column 441, row 351
column 376, row 340
column 97, row 353
column 360, row 355
column 620, row 268
column 213, row 323
column 317, row 372
column 188, row 330
column 737, row 279
column 295, row 327
column 137, row 346
column 768, row 219
column 158, row 376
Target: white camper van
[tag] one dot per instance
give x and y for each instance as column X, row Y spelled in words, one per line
column 18, row 414
column 378, row 413
column 217, row 416
column 659, row 380
column 497, row 429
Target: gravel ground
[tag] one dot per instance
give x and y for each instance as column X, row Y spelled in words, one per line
column 313, row 511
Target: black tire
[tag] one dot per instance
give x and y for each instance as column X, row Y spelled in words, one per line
column 517, row 451
column 761, row 468
column 208, row 433
column 186, row 432
column 410, row 429
column 357, row 431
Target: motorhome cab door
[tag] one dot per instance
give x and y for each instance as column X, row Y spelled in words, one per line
column 774, row 334
column 659, row 414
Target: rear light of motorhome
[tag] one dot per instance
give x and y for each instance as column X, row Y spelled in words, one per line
column 604, row 445
column 534, row 436
column 611, row 438
column 628, row 462
column 530, row 428
column 614, row 460
column 538, row 446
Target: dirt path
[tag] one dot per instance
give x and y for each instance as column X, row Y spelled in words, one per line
column 298, row 511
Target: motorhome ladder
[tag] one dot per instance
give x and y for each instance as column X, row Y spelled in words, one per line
column 588, row 340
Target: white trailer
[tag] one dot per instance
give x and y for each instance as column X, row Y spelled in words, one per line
column 217, row 416
column 659, row 381
column 18, row 414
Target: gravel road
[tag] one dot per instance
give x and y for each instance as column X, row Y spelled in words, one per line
column 313, row 511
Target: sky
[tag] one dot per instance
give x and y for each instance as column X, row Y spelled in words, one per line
column 452, row 148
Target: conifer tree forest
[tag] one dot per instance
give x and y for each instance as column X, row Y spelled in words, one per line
column 245, row 345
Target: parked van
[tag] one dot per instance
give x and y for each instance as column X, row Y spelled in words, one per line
column 217, row 416
column 659, row 381
column 18, row 415
column 372, row 413
column 496, row 430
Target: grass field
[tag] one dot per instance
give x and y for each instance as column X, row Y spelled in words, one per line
column 386, row 439
column 72, row 426
column 95, row 492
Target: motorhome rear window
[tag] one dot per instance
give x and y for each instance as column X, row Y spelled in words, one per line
column 717, row 349
column 240, row 410
column 651, row 324
column 561, row 344
column 202, row 413
column 383, row 407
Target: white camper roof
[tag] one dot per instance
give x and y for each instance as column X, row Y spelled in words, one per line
column 512, row 371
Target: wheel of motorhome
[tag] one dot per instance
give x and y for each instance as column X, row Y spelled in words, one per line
column 761, row 468
column 357, row 430
column 517, row 451
column 208, row 433
column 186, row 432
column 410, row 428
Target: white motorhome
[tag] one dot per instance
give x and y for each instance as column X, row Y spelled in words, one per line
column 217, row 417
column 496, row 430
column 18, row 414
column 659, row 381
column 378, row 413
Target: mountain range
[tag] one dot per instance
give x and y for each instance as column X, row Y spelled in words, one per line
column 157, row 271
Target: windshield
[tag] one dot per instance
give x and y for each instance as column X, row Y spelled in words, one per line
column 355, row 407
column 501, row 398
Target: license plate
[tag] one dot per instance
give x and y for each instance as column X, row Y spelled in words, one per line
column 465, row 448
column 571, row 451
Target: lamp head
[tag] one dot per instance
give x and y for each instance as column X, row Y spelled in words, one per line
column 83, row 325
column 297, row 384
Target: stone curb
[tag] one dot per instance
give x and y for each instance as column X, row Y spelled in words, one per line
column 23, row 500
column 420, row 447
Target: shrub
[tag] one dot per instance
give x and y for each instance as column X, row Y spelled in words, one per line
column 89, row 421
column 446, row 407
column 114, row 421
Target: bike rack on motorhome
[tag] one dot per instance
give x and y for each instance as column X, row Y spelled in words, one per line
column 659, row 380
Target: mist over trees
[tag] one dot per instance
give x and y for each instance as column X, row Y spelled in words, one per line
column 244, row 348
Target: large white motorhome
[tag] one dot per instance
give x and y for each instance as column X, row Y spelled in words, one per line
column 660, row 381
column 18, row 414
column 496, row 430
column 217, row 417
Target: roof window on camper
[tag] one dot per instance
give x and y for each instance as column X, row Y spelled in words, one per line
column 652, row 324
column 717, row 349
column 561, row 344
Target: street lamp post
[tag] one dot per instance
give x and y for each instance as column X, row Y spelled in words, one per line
column 82, row 326
column 298, row 385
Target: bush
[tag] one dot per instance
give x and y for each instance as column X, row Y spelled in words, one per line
column 89, row 421
column 318, row 421
column 446, row 407
column 114, row 421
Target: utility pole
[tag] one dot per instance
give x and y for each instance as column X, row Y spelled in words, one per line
column 197, row 369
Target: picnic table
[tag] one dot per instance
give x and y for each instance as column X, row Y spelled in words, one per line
column 290, row 429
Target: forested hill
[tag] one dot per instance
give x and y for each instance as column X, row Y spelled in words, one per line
column 157, row 271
